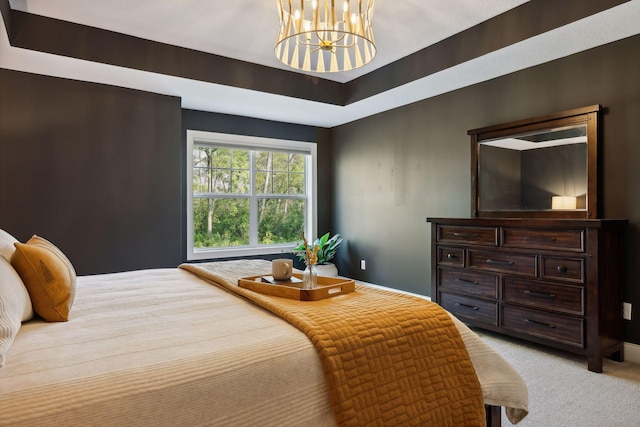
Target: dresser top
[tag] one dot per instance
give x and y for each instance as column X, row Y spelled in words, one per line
column 531, row 222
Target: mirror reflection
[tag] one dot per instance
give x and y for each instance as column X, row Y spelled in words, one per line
column 543, row 170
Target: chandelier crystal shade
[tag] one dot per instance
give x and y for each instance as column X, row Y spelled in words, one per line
column 325, row 35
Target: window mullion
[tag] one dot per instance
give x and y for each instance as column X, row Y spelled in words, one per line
column 310, row 173
column 253, row 201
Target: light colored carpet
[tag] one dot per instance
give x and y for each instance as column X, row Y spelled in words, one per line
column 563, row 393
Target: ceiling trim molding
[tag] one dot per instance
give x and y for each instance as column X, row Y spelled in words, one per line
column 5, row 11
column 33, row 32
column 30, row 31
column 610, row 25
column 523, row 22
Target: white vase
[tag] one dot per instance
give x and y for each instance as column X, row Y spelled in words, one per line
column 328, row 270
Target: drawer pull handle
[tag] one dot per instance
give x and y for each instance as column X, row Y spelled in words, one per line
column 451, row 256
column 544, row 239
column 562, row 269
column 493, row 261
column 548, row 325
column 473, row 307
column 473, row 282
column 465, row 234
column 538, row 294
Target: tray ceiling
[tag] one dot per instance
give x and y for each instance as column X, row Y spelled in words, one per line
column 245, row 31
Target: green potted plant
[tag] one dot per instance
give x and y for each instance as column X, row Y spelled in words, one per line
column 326, row 250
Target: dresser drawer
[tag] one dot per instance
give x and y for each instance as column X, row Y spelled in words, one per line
column 565, row 269
column 468, row 282
column 451, row 256
column 566, row 240
column 562, row 298
column 557, row 327
column 503, row 262
column 487, row 236
column 470, row 309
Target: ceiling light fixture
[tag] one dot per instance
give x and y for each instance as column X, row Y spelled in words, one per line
column 318, row 36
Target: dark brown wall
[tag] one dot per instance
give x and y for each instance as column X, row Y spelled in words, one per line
column 93, row 168
column 325, row 181
column 499, row 179
column 99, row 170
column 397, row 168
column 554, row 171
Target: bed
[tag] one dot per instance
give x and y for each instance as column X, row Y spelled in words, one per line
column 166, row 347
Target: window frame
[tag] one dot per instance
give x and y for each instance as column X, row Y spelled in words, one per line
column 195, row 137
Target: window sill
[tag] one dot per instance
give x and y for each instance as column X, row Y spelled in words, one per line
column 203, row 254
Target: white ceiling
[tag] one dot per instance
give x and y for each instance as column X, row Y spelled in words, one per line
column 245, row 30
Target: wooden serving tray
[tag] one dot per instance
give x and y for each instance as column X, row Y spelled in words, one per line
column 327, row 287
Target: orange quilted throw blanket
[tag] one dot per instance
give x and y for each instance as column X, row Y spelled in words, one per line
column 388, row 358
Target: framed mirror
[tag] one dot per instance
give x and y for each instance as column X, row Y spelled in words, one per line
column 542, row 167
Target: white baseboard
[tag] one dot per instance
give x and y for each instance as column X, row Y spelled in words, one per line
column 631, row 352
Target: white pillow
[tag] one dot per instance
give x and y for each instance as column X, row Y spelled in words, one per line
column 6, row 245
column 15, row 306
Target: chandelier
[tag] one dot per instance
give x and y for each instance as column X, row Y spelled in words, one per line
column 325, row 35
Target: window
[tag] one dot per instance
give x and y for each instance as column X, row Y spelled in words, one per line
column 247, row 195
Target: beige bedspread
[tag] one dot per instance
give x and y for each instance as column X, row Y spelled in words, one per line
column 164, row 348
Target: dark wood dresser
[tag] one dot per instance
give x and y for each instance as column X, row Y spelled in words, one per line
column 556, row 282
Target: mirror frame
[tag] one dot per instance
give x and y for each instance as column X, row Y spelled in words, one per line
column 589, row 116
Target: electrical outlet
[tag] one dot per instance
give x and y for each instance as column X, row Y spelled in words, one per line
column 626, row 310
column 363, row 264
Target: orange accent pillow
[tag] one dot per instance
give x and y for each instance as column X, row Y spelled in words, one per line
column 49, row 277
